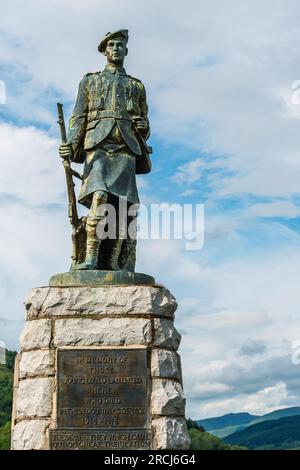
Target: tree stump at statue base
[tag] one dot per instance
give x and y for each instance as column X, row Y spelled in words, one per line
column 98, row 369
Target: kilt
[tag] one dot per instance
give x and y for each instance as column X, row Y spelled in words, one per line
column 110, row 167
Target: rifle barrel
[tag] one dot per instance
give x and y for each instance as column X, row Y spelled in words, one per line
column 61, row 122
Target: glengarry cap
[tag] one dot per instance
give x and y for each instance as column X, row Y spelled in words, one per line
column 121, row 33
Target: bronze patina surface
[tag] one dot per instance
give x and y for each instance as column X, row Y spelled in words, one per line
column 108, row 133
column 102, row 388
column 100, row 278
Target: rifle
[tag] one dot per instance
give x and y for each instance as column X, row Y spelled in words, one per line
column 72, row 206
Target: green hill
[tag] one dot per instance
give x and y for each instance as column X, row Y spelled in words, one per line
column 6, row 388
column 223, row 426
column 231, row 419
column 282, row 433
column 283, row 413
column 223, row 432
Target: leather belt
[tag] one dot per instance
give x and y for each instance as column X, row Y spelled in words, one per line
column 117, row 114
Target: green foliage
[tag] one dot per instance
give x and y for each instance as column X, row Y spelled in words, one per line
column 191, row 424
column 6, row 387
column 10, row 359
column 205, row 441
column 5, row 436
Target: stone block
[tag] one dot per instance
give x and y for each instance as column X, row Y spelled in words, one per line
column 37, row 362
column 167, row 398
column 106, row 332
column 165, row 334
column 170, row 433
column 30, row 435
column 36, row 335
column 34, row 398
column 109, row 300
column 165, row 364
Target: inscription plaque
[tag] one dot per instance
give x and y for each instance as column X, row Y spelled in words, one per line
column 102, row 399
column 102, row 388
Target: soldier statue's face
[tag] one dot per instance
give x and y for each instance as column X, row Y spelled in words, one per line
column 116, row 51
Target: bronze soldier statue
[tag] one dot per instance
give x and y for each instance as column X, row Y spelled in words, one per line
column 107, row 132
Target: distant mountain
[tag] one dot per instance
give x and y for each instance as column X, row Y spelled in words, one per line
column 284, row 413
column 231, row 419
column 231, row 423
column 223, row 432
column 282, row 433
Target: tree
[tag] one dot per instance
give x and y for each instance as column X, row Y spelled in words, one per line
column 5, row 436
column 205, row 441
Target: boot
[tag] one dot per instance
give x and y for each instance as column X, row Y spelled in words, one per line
column 91, row 258
column 92, row 247
column 113, row 262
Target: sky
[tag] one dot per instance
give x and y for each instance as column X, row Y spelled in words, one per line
column 221, row 80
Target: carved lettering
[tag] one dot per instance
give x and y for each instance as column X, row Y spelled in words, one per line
column 102, row 388
column 93, row 440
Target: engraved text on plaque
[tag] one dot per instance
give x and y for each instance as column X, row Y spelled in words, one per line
column 102, row 399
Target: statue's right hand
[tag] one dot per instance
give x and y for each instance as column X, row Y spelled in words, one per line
column 65, row 151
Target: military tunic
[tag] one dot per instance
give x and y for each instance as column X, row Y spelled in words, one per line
column 102, row 133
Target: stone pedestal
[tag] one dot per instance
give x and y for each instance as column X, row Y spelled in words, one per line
column 96, row 319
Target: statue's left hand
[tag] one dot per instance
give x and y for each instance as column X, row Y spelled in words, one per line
column 140, row 123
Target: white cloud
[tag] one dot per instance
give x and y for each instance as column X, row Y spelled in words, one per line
column 142, row 183
column 31, row 166
column 188, row 192
column 189, row 172
column 265, row 401
column 209, row 388
column 233, row 319
column 253, row 347
column 284, row 209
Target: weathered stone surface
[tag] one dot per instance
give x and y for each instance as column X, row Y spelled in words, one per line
column 106, row 331
column 34, row 302
column 36, row 335
column 34, row 398
column 17, row 369
column 167, row 398
column 165, row 364
column 37, row 362
column 30, row 435
column 110, row 300
column 170, row 433
column 165, row 334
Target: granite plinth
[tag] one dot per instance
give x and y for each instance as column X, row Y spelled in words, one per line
column 86, row 353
